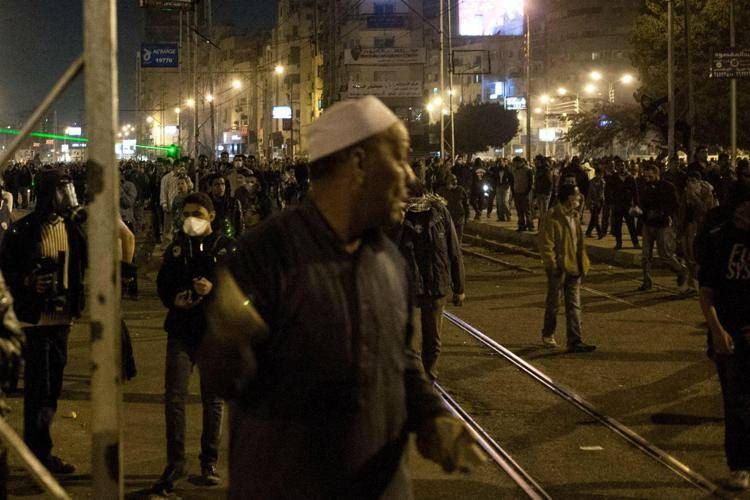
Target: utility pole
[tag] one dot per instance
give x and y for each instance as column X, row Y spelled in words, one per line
column 691, row 88
column 100, row 46
column 732, row 92
column 193, row 28
column 670, row 79
column 528, row 84
column 450, row 81
column 442, row 82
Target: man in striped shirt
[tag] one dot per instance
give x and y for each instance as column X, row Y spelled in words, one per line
column 43, row 259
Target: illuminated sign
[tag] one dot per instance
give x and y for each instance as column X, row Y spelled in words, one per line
column 548, row 134
column 170, row 130
column 515, row 103
column 491, row 18
column 282, row 112
column 76, row 131
column 497, row 91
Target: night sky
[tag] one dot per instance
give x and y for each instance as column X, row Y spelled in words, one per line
column 40, row 38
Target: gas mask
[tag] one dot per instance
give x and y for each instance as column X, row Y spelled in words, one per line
column 66, row 204
column 195, row 226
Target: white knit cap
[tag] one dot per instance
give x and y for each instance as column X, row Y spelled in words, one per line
column 346, row 123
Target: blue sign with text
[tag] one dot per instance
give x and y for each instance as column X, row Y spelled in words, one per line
column 159, row 55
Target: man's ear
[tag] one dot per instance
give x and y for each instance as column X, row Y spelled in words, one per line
column 211, row 216
column 357, row 165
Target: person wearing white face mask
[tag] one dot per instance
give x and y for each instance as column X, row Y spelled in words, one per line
column 185, row 283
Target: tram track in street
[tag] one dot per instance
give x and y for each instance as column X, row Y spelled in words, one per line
column 567, row 394
column 494, row 451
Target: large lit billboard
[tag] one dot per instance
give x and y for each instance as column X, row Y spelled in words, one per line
column 491, row 18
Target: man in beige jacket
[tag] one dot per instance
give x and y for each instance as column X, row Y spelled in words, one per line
column 561, row 245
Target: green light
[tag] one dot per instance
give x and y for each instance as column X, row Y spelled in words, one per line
column 172, row 150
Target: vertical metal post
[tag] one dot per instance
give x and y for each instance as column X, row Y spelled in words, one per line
column 691, row 86
column 732, row 92
column 195, row 83
column 442, row 82
column 450, row 80
column 670, row 79
column 528, row 84
column 100, row 45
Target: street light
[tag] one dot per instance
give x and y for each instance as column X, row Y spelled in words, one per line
column 177, row 110
column 596, row 75
column 279, row 69
column 590, row 88
column 627, row 79
column 544, row 99
column 149, row 119
column 190, row 103
column 209, row 98
column 236, row 84
column 561, row 91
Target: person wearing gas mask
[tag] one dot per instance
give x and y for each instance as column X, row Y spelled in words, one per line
column 185, row 283
column 43, row 259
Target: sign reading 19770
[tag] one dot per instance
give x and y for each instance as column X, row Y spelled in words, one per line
column 731, row 63
column 168, row 4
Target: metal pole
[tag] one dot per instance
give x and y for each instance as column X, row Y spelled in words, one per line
column 450, row 80
column 732, row 91
column 442, row 82
column 195, row 84
column 528, row 85
column 179, row 77
column 670, row 79
column 100, row 46
column 56, row 91
column 691, row 87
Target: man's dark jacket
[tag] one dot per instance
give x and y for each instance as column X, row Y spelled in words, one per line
column 429, row 244
column 185, row 259
column 621, row 193
column 22, row 250
column 658, row 202
column 228, row 218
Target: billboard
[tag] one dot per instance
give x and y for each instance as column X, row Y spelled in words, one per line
column 281, row 112
column 168, row 4
column 514, row 103
column 491, row 18
column 384, row 57
column 386, row 89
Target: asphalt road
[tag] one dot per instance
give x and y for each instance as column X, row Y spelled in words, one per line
column 650, row 372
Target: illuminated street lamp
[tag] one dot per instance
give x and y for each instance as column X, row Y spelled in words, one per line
column 209, row 98
column 538, row 111
column 190, row 103
column 437, row 101
column 279, row 69
column 627, row 79
column 429, row 107
column 544, row 99
column 590, row 88
column 561, row 91
column 149, row 119
column 596, row 76
column 236, row 84
column 177, row 110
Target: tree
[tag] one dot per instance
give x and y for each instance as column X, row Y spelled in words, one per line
column 606, row 126
column 483, row 126
column 709, row 31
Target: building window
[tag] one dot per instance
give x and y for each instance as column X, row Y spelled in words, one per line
column 384, row 8
column 293, row 55
column 595, row 56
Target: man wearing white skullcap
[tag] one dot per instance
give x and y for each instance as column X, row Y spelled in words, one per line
column 310, row 328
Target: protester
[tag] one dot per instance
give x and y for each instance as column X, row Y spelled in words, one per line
column 428, row 242
column 185, row 283
column 523, row 183
column 565, row 260
column 320, row 412
column 458, row 205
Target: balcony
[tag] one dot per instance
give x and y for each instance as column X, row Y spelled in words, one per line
column 387, row 21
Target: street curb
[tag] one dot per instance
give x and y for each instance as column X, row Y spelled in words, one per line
column 528, row 239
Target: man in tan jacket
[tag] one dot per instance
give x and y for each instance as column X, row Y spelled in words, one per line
column 561, row 245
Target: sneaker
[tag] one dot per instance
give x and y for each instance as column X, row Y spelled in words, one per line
column 581, row 347
column 647, row 285
column 738, row 480
column 209, row 476
column 166, row 483
column 549, row 341
column 57, row 465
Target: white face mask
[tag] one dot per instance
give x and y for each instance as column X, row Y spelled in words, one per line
column 195, row 226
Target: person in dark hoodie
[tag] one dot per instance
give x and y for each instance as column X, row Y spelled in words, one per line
column 43, row 260
column 184, row 284
column 432, row 250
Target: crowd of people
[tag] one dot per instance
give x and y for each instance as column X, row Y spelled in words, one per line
column 323, row 403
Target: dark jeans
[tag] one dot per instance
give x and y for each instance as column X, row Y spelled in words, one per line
column 179, row 366
column 665, row 243
column 594, row 222
column 523, row 209
column 46, row 356
column 606, row 217
column 618, row 215
column 431, row 321
column 157, row 221
column 459, row 225
column 570, row 287
column 734, row 377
